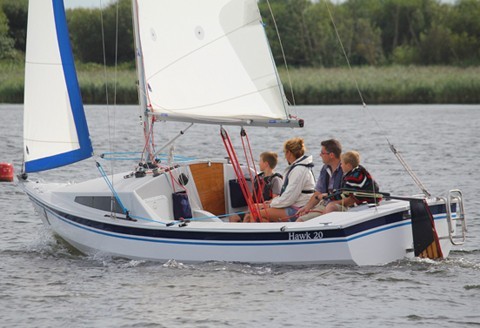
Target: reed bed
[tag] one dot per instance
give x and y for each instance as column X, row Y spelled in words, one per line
column 311, row 86
column 96, row 82
column 385, row 85
column 11, row 82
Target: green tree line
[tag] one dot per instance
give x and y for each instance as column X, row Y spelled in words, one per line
column 373, row 32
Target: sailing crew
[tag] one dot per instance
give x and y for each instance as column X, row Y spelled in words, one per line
column 270, row 180
column 356, row 178
column 298, row 185
column 329, row 180
column 267, row 184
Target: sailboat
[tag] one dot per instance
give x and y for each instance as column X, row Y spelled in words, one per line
column 216, row 67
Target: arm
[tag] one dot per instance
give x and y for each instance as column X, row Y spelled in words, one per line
column 314, row 200
column 293, row 190
column 276, row 186
column 347, row 202
column 318, row 195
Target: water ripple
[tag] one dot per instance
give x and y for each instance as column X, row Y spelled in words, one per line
column 46, row 283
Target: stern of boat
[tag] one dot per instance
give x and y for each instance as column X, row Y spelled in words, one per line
column 450, row 221
column 437, row 225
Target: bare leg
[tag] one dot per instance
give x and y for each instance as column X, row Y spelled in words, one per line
column 274, row 214
column 235, row 218
column 340, row 205
column 248, row 218
column 331, row 207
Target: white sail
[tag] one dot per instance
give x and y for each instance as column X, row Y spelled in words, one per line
column 55, row 129
column 208, row 61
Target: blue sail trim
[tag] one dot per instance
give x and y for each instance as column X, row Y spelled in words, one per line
column 76, row 104
column 55, row 161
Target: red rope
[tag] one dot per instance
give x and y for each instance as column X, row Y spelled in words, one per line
column 249, row 160
column 152, row 137
column 259, row 190
column 239, row 173
column 148, row 137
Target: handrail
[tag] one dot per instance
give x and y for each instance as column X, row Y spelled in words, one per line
column 456, row 238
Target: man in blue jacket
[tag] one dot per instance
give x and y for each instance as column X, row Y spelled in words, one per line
column 330, row 179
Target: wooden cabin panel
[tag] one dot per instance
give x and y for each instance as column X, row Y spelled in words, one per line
column 210, row 184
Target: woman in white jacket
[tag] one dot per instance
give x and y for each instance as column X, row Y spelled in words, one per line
column 298, row 184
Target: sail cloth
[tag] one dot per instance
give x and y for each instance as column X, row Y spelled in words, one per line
column 209, row 61
column 55, row 128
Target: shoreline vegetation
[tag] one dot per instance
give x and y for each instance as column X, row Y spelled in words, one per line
column 311, row 86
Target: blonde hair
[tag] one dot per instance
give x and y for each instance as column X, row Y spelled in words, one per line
column 270, row 157
column 352, row 158
column 295, row 146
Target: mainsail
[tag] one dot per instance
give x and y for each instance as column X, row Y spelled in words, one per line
column 55, row 128
column 209, row 61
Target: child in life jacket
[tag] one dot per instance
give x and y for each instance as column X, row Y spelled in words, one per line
column 356, row 178
column 267, row 184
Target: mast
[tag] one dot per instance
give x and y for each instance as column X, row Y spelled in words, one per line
column 142, row 95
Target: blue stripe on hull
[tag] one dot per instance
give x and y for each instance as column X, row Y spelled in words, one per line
column 167, row 236
column 205, row 238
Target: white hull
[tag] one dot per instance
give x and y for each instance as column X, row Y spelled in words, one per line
column 362, row 236
column 216, row 68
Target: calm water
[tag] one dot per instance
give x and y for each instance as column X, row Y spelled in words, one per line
column 44, row 283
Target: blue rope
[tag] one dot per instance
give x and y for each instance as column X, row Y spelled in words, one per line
column 201, row 218
column 109, row 184
column 110, row 156
column 123, row 159
column 146, row 219
column 126, row 212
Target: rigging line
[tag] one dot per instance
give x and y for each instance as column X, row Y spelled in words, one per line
column 247, row 151
column 152, row 139
column 115, row 80
column 145, row 154
column 181, row 133
column 147, row 141
column 239, row 173
column 283, row 52
column 344, row 52
column 112, row 189
column 176, row 182
column 105, row 68
column 397, row 154
column 409, row 170
column 249, row 154
column 107, row 101
column 116, row 59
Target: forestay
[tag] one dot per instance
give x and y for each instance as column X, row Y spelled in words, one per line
column 209, row 61
column 55, row 129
